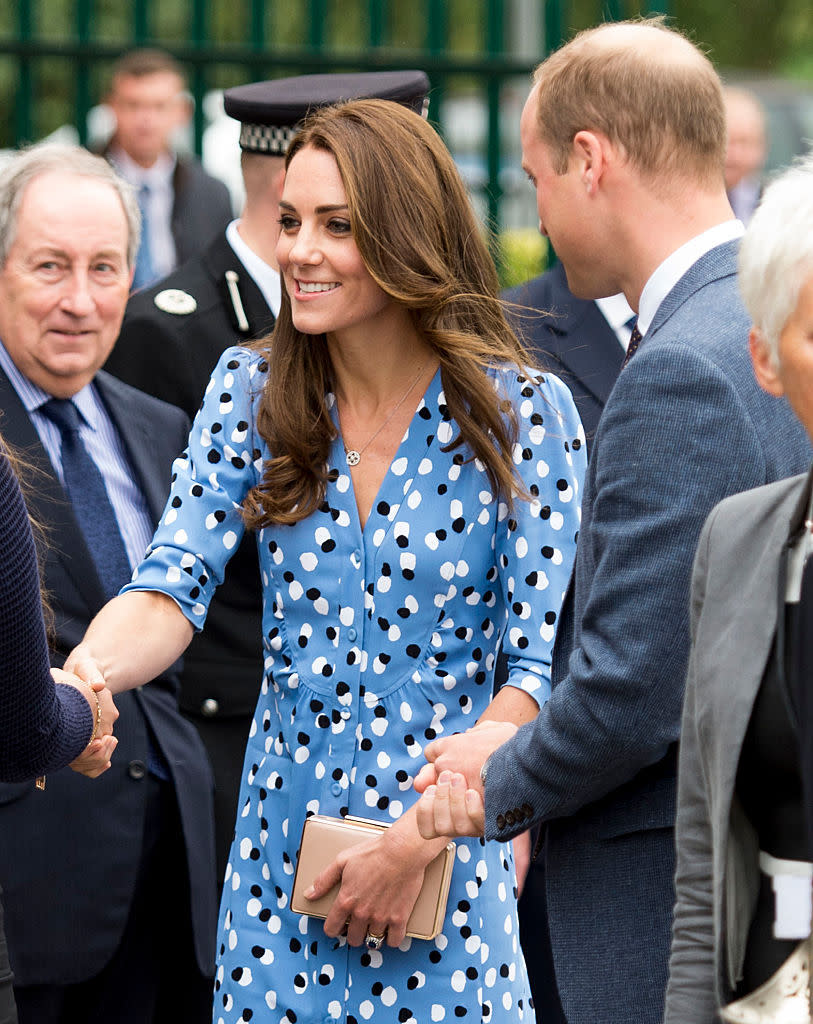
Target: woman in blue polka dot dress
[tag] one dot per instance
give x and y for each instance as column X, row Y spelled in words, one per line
column 415, row 497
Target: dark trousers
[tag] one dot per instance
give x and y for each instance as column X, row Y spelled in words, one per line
column 225, row 741
column 8, row 1011
column 153, row 977
column 535, row 940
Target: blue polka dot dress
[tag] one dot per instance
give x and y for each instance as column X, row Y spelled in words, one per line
column 376, row 642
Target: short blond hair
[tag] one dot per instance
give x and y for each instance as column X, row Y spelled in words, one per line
column 659, row 99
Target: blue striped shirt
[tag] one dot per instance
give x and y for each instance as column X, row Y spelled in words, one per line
column 105, row 447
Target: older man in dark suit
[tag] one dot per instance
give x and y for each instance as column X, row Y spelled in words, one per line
column 632, row 198
column 110, row 905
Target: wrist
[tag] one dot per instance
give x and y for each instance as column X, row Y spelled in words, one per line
column 95, row 705
column 406, row 840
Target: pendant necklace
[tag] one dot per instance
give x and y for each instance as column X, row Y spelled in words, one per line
column 353, row 455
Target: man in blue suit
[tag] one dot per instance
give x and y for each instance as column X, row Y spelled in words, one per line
column 583, row 342
column 110, row 888
column 623, row 136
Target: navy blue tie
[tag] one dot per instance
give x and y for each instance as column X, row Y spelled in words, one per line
column 97, row 519
column 635, row 340
column 88, row 494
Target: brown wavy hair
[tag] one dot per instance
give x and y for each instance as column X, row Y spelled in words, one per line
column 418, row 237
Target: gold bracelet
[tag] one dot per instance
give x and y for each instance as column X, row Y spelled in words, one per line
column 98, row 720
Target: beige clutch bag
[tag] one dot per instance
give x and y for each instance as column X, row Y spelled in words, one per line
column 324, row 837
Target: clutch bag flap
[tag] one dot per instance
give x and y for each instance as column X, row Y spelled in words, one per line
column 323, row 838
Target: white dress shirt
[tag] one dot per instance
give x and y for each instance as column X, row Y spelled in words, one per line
column 675, row 266
column 265, row 277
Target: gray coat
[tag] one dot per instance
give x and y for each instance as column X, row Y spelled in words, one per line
column 736, row 586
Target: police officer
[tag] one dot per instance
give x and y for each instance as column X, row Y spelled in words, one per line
column 171, row 339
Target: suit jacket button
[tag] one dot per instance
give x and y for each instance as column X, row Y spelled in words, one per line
column 510, row 820
column 210, row 707
column 136, row 769
column 500, row 821
column 527, row 810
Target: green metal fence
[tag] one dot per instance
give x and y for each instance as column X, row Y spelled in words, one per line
column 55, row 54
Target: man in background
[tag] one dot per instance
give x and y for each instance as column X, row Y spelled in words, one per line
column 746, row 150
column 182, row 207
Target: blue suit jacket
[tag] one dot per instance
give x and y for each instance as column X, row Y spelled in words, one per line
column 69, row 856
column 571, row 338
column 685, row 425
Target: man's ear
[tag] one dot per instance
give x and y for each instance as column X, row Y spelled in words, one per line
column 587, row 153
column 764, row 361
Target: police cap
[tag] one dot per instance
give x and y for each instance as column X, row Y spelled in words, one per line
column 271, row 112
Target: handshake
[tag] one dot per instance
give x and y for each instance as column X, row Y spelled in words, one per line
column 95, row 758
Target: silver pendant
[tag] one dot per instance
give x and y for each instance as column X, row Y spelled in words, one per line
column 353, row 457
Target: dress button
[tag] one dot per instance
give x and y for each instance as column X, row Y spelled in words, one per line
column 345, row 713
column 209, row 707
column 500, row 821
column 357, row 555
column 336, row 789
column 136, row 769
column 351, row 634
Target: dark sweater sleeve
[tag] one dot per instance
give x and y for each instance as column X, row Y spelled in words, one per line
column 42, row 726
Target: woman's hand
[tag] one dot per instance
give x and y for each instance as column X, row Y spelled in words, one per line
column 380, row 881
column 449, row 808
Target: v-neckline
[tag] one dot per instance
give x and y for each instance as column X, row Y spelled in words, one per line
column 430, row 400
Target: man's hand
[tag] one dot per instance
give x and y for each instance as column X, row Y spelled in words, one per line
column 464, row 753
column 453, row 802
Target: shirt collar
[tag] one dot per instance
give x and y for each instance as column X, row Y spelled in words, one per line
column 157, row 176
column 265, row 277
column 675, row 266
column 616, row 310
column 33, row 397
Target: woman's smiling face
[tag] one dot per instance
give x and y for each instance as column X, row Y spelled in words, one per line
column 330, row 288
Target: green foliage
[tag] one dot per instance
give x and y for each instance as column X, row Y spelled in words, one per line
column 522, row 254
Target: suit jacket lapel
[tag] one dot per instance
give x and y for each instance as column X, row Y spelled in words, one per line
column 590, row 349
column 48, row 501
column 595, row 362
column 796, row 527
column 138, row 444
column 719, row 262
